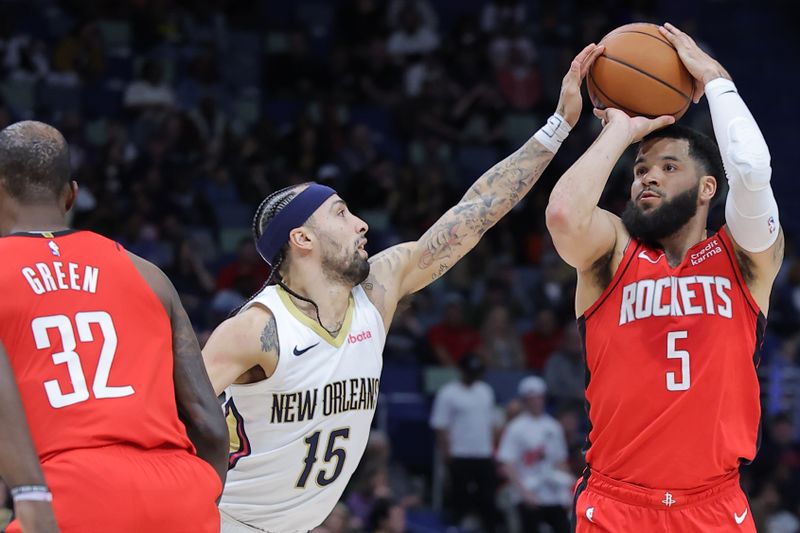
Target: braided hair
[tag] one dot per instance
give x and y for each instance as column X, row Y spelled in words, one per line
column 267, row 210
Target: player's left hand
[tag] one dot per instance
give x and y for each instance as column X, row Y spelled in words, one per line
column 700, row 65
column 634, row 127
column 570, row 101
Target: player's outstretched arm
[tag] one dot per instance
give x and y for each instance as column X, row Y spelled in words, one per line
column 198, row 408
column 241, row 343
column 19, row 462
column 582, row 232
column 409, row 267
column 751, row 212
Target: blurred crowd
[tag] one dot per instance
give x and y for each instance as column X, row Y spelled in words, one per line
column 182, row 116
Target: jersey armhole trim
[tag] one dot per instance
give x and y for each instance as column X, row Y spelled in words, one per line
column 363, row 294
column 621, row 269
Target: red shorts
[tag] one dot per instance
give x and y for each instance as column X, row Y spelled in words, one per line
column 128, row 490
column 603, row 504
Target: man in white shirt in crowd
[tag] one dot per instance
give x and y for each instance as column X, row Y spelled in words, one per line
column 533, row 457
column 463, row 417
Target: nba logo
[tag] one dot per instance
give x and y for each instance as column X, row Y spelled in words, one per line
column 54, row 248
column 771, row 224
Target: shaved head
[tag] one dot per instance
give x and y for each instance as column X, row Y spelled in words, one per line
column 34, row 161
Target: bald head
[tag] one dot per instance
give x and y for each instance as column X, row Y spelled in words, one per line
column 34, row 162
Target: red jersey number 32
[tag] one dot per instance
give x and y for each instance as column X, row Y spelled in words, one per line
column 80, row 392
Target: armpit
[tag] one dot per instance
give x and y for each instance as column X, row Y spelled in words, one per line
column 601, row 270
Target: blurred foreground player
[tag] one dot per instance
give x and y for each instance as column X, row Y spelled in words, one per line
column 672, row 318
column 108, row 366
column 19, row 463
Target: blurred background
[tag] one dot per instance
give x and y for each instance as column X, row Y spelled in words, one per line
column 183, row 115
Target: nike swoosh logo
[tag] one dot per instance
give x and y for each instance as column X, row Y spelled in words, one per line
column 304, row 350
column 643, row 255
column 740, row 519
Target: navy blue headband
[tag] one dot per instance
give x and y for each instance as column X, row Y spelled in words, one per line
column 295, row 214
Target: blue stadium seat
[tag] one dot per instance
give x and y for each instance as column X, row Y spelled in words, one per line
column 119, row 68
column 59, row 98
column 99, row 100
column 19, row 95
column 504, row 383
column 401, row 378
column 232, row 215
column 407, row 415
column 376, row 118
column 426, row 521
column 281, row 112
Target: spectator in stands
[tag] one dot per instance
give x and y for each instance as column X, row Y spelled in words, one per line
column 542, row 339
column 411, row 36
column 519, row 80
column 427, row 14
column 452, row 338
column 499, row 14
column 405, row 340
column 192, row 280
column 564, row 371
column 387, row 517
column 149, row 92
column 246, row 273
column 338, row 521
column 463, row 417
column 533, row 455
column 81, row 51
column 501, row 345
column 379, row 78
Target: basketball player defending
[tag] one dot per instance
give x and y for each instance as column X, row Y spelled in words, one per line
column 301, row 361
column 108, row 366
column 672, row 318
column 19, row 463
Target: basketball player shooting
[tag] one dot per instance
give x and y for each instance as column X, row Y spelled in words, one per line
column 301, row 361
column 672, row 318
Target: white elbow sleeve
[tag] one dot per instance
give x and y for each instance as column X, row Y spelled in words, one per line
column 750, row 210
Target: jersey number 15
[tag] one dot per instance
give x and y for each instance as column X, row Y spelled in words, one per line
column 83, row 321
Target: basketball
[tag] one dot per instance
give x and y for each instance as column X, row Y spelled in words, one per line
column 640, row 73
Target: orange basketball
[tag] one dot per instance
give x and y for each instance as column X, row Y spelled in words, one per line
column 640, row 73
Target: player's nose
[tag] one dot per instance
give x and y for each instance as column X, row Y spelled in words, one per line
column 361, row 226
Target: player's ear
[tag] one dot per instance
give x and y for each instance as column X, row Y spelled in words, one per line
column 707, row 189
column 70, row 194
column 300, row 238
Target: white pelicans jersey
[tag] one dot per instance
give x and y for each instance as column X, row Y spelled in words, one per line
column 297, row 436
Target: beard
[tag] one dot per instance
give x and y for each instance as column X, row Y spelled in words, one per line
column 342, row 268
column 662, row 221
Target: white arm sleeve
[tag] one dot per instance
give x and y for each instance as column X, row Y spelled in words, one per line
column 750, row 210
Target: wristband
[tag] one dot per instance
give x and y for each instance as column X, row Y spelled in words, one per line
column 37, row 493
column 553, row 133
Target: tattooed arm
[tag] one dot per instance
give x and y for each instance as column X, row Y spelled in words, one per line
column 409, row 267
column 196, row 402
column 242, row 343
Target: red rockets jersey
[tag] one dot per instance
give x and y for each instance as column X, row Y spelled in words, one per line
column 671, row 357
column 90, row 344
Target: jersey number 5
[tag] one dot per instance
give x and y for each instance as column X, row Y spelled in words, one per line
column 80, row 391
column 330, row 453
column 682, row 383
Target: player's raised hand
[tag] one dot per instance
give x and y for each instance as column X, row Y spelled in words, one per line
column 700, row 65
column 569, row 101
column 637, row 127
